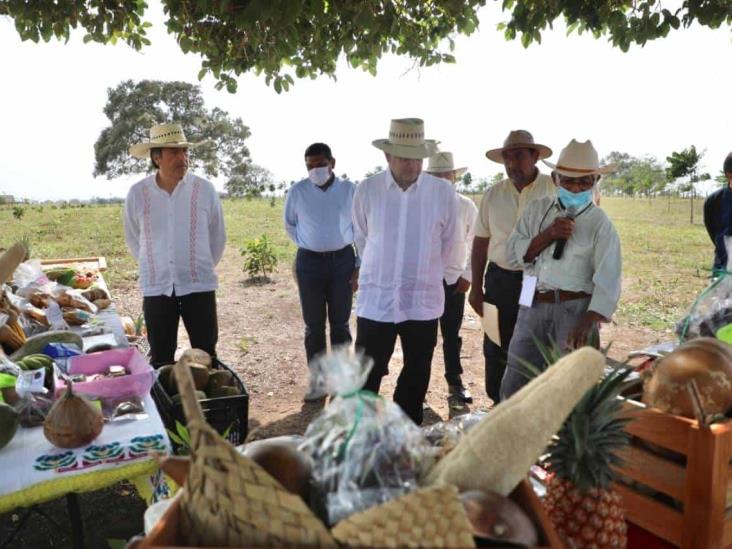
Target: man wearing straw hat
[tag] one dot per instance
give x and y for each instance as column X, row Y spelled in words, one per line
column 457, row 278
column 318, row 220
column 500, row 208
column 174, row 227
column 405, row 226
column 570, row 253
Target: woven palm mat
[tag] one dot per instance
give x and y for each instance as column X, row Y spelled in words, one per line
column 230, row 501
column 430, row 517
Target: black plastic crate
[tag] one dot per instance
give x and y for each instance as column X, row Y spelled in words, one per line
column 221, row 413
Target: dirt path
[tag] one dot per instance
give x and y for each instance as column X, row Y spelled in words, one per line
column 261, row 337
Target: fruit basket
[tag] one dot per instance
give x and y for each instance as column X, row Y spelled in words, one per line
column 226, row 413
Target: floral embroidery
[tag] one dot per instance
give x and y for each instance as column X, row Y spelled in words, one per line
column 193, row 230
column 147, row 227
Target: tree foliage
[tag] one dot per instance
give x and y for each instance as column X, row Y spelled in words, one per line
column 132, row 108
column 684, row 164
column 250, row 180
column 285, row 38
column 633, row 176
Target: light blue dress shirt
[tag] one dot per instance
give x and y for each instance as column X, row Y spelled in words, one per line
column 319, row 220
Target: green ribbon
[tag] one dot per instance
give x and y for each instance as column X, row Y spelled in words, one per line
column 718, row 275
column 362, row 395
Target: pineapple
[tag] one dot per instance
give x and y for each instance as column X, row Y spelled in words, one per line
column 581, row 500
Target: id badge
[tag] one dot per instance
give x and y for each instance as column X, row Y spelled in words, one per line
column 528, row 289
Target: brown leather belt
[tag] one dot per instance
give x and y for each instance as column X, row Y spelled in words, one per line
column 557, row 296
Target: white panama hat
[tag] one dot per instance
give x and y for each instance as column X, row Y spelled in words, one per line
column 443, row 162
column 579, row 159
column 163, row 136
column 406, row 140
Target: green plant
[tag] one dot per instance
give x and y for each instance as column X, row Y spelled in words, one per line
column 139, row 324
column 182, row 437
column 259, row 257
column 18, row 212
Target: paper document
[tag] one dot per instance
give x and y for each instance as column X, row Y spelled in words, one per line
column 528, row 289
column 490, row 323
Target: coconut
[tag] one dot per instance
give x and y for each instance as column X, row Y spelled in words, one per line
column 196, row 356
column 281, row 458
column 72, row 421
column 705, row 360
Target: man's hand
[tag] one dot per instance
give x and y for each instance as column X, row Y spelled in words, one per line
column 561, row 228
column 463, row 285
column 475, row 298
column 354, row 280
column 580, row 333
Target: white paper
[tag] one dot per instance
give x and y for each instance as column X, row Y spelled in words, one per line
column 528, row 289
column 490, row 323
column 31, row 381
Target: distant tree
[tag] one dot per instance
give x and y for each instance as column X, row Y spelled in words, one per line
column 721, row 178
column 646, row 176
column 133, row 107
column 685, row 164
column 249, row 181
column 619, row 181
column 466, row 182
column 344, row 176
column 374, row 171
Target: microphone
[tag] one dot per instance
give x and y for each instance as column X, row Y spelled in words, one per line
column 571, row 213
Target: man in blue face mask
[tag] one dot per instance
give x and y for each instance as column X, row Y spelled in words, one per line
column 318, row 220
column 570, row 253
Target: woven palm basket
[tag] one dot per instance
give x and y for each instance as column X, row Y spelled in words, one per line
column 230, row 501
column 430, row 517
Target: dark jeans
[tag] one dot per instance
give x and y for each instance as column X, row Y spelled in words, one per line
column 162, row 314
column 502, row 288
column 323, row 280
column 450, row 323
column 418, row 338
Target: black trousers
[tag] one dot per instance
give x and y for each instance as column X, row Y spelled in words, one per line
column 162, row 314
column 418, row 338
column 324, row 283
column 502, row 288
column 450, row 323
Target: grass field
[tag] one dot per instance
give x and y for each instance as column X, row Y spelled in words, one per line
column 665, row 258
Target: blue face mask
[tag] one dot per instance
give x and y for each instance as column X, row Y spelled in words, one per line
column 574, row 200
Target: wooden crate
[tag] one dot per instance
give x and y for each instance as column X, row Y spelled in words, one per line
column 164, row 533
column 687, row 469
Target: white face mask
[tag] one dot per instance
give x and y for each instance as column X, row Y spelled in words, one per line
column 319, row 176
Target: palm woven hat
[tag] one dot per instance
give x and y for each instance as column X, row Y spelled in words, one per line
column 443, row 162
column 164, row 136
column 518, row 139
column 579, row 159
column 406, row 139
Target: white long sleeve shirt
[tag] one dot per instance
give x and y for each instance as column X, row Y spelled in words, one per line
column 405, row 240
column 177, row 238
column 460, row 266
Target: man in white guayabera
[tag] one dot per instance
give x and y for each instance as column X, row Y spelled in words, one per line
column 405, row 225
column 318, row 220
column 174, row 227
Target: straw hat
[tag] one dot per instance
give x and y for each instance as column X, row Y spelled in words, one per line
column 442, row 162
column 579, row 159
column 162, row 135
column 518, row 139
column 406, row 139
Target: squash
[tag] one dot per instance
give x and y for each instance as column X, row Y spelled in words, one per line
column 705, row 360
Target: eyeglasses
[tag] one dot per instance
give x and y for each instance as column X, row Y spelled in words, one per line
column 564, row 181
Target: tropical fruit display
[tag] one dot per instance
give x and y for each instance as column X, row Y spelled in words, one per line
column 581, row 499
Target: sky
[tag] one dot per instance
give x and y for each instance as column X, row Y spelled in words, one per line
column 664, row 97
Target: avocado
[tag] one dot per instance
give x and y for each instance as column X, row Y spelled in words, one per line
column 219, row 392
column 219, row 378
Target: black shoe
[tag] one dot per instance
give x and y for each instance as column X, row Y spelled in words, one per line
column 460, row 392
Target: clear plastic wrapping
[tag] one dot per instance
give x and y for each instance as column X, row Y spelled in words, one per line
column 365, row 450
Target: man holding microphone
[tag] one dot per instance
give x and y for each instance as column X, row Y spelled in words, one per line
column 570, row 253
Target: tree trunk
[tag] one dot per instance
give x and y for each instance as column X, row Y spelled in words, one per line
column 692, row 205
column 669, row 202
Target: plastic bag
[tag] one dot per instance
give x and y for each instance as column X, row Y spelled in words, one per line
column 30, row 276
column 365, row 450
column 712, row 309
column 446, row 434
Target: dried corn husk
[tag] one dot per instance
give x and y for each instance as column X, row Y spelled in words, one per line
column 230, row 501
column 10, row 259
